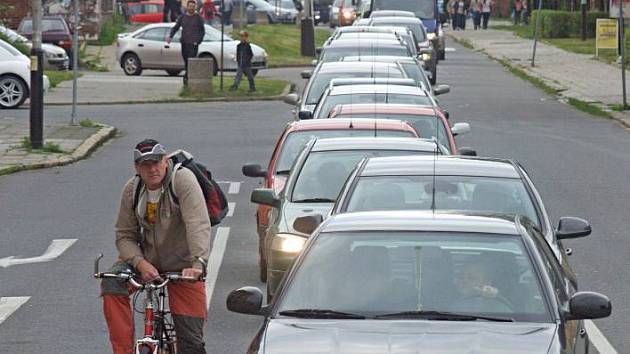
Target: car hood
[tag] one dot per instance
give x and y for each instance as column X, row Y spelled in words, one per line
column 288, row 336
column 293, row 211
column 51, row 48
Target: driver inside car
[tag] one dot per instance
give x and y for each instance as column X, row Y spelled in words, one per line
column 476, row 292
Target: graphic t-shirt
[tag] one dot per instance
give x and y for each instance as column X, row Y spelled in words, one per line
column 153, row 203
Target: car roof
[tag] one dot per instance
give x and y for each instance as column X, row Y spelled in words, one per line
column 442, row 166
column 370, row 108
column 378, row 88
column 370, row 29
column 396, row 19
column 391, row 13
column 408, row 220
column 373, row 143
column 378, row 59
column 353, row 43
column 349, row 123
column 340, row 66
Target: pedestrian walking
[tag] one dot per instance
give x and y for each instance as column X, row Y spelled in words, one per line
column 475, row 8
column 171, row 10
column 525, row 14
column 193, row 31
column 459, row 8
column 208, row 12
column 486, row 9
column 518, row 7
column 156, row 234
column 226, row 12
column 244, row 55
column 451, row 13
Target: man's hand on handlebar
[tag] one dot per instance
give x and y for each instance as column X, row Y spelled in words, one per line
column 147, row 271
column 191, row 273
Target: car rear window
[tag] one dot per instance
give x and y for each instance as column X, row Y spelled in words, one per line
column 48, row 25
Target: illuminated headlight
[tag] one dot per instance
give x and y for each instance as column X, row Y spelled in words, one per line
column 426, row 57
column 288, row 243
column 431, row 36
column 347, row 15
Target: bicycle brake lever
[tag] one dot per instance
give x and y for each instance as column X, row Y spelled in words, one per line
column 96, row 262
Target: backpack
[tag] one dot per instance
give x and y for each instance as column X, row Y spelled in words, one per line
column 216, row 202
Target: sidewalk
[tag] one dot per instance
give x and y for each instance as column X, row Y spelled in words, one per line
column 577, row 76
column 77, row 142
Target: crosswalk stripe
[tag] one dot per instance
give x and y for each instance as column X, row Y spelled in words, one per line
column 214, row 263
column 235, row 187
column 8, row 305
column 231, row 207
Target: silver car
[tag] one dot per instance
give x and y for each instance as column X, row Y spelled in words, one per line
column 55, row 57
column 146, row 48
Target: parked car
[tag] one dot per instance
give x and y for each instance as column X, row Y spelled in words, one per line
column 335, row 50
column 290, row 144
column 312, row 187
column 146, row 48
column 274, row 14
column 342, row 13
column 55, row 57
column 459, row 184
column 15, row 77
column 418, row 282
column 428, row 121
column 146, row 12
column 55, row 31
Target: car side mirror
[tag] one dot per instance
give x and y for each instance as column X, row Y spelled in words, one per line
column 247, row 300
column 570, row 227
column 253, row 170
column 291, row 99
column 585, row 305
column 466, row 151
column 318, row 51
column 308, row 223
column 460, row 129
column 441, row 89
column 306, row 74
column 265, row 196
column 305, row 115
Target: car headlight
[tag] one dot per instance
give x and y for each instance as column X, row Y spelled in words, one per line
column 288, row 243
column 264, row 54
column 426, row 57
column 431, row 36
column 49, row 55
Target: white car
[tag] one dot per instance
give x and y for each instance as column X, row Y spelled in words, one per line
column 15, row 76
column 55, row 57
column 146, row 48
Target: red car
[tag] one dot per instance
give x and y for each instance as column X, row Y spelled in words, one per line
column 146, row 12
column 289, row 145
column 423, row 118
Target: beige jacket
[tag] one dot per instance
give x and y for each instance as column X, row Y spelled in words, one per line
column 181, row 232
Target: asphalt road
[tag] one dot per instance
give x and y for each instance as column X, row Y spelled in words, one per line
column 580, row 164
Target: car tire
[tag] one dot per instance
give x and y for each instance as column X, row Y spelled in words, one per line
column 13, row 91
column 173, row 72
column 215, row 67
column 131, row 65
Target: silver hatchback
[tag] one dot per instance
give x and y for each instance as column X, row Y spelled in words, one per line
column 146, row 48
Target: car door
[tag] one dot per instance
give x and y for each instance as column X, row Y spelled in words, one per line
column 148, row 46
column 172, row 53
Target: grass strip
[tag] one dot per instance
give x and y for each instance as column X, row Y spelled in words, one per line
column 525, row 76
column 57, row 77
column 282, row 43
column 588, row 108
column 48, row 148
column 264, row 87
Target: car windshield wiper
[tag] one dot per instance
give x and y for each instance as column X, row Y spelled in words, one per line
column 443, row 316
column 314, row 200
column 319, row 313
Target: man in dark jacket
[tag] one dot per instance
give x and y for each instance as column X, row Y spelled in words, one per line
column 244, row 55
column 193, row 31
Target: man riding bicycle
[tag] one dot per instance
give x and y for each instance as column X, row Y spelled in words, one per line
column 155, row 235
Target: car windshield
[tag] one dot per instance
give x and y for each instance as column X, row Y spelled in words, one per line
column 48, row 25
column 335, row 54
column 407, row 275
column 415, row 28
column 285, row 4
column 461, row 193
column 214, row 35
column 324, row 172
column 295, row 141
column 261, row 5
column 12, row 35
column 425, row 125
column 322, row 80
column 332, row 101
column 421, row 8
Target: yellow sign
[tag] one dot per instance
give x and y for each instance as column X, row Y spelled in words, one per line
column 34, row 63
column 606, row 34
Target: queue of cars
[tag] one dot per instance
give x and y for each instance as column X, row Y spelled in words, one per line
column 379, row 234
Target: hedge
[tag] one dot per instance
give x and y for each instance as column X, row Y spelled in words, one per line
column 564, row 24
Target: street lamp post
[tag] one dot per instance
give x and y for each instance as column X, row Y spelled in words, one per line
column 75, row 61
column 308, row 30
column 536, row 31
column 37, row 80
column 623, row 53
column 583, row 4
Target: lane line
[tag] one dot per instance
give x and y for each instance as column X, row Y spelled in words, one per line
column 450, row 49
column 231, row 207
column 214, row 263
column 8, row 305
column 56, row 249
column 598, row 339
column 235, row 187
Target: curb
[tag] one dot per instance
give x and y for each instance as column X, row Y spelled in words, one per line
column 84, row 150
column 279, row 97
column 616, row 116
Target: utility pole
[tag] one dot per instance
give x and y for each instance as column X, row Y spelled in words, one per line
column 75, row 61
column 583, row 3
column 536, row 32
column 220, row 63
column 37, row 79
column 623, row 53
column 308, row 30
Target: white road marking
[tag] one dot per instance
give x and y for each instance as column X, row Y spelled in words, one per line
column 231, row 207
column 235, row 187
column 450, row 49
column 214, row 263
column 56, row 249
column 8, row 305
column 598, row 339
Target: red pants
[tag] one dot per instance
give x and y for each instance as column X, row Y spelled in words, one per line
column 187, row 303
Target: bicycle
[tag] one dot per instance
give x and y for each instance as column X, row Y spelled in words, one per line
column 159, row 332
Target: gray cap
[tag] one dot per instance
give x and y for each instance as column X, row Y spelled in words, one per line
column 148, row 149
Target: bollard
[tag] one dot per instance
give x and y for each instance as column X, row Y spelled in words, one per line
column 200, row 72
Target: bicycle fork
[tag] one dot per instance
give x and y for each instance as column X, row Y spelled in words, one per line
column 148, row 344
